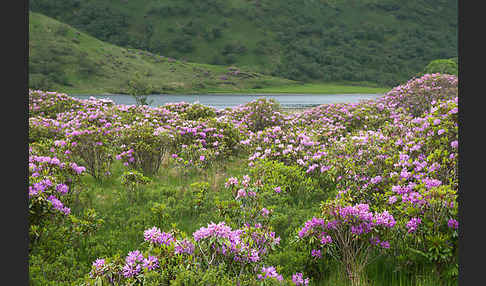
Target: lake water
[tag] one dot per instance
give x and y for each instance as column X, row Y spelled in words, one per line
column 221, row 101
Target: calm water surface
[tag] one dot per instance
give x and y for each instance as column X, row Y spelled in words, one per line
column 221, row 101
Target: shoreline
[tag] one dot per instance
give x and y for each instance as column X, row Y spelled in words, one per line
column 305, row 89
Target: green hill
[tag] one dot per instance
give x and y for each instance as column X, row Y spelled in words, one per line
column 381, row 41
column 66, row 60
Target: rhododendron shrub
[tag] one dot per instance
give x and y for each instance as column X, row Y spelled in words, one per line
column 49, row 104
column 239, row 251
column 144, row 146
column 227, row 144
column 92, row 148
column 50, row 183
column 256, row 115
column 424, row 187
column 194, row 111
column 359, row 166
column 417, row 94
column 428, row 229
column 41, row 128
column 157, row 260
column 348, row 233
column 202, row 143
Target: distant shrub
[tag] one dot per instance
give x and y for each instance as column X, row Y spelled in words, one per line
column 183, row 44
column 198, row 111
column 258, row 114
column 49, row 104
column 93, row 149
column 144, row 146
column 444, row 66
column 41, row 128
column 417, row 94
column 139, row 88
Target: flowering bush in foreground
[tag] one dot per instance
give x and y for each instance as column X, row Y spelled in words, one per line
column 241, row 252
column 350, row 232
column 50, row 181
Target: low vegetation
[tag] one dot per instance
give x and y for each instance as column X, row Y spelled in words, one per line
column 183, row 194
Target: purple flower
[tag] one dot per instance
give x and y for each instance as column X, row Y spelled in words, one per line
column 184, row 246
column 151, row 263
column 298, row 279
column 454, row 144
column 131, row 270
column 217, row 230
column 316, row 253
column 57, row 204
column 452, row 223
column 376, row 179
column 152, row 235
column 430, row 183
column 241, row 193
column 405, row 174
column 269, row 272
column 277, row 189
column 325, row 239
column 62, row 188
column 385, row 244
column 134, row 257
column 265, row 212
column 385, row 219
column 97, row 267
column 231, row 182
column 412, row 224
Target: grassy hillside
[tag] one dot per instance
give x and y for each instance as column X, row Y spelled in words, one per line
column 64, row 59
column 380, row 41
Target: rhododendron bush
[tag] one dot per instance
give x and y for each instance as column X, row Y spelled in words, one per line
column 340, row 184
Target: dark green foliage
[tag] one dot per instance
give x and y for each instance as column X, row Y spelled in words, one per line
column 183, row 44
column 39, row 81
column 385, row 42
